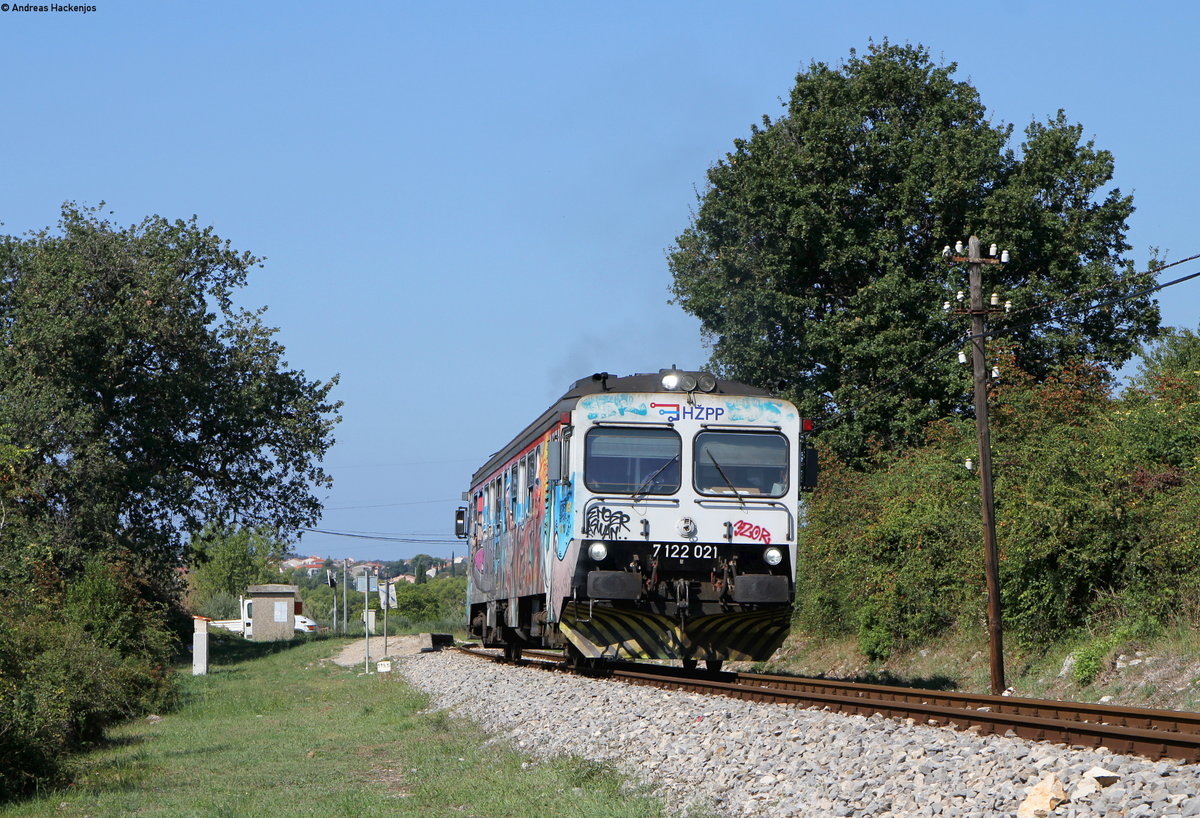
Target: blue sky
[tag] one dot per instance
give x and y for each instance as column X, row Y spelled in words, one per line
column 466, row 206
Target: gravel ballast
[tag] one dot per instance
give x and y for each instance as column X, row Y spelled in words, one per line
column 727, row 757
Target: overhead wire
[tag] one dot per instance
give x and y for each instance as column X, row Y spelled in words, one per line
column 1008, row 328
column 380, row 537
column 391, row 505
column 1078, row 295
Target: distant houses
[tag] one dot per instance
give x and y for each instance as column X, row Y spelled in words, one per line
column 357, row 569
column 312, row 566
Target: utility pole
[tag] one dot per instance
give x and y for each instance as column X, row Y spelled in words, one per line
column 991, row 562
column 344, row 622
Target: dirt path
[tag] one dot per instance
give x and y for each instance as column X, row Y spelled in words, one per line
column 354, row 653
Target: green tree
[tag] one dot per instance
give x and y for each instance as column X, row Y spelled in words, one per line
column 395, row 568
column 813, row 260
column 441, row 598
column 419, row 565
column 146, row 402
column 137, row 404
column 224, row 560
column 1174, row 358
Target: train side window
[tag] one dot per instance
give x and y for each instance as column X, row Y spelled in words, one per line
column 514, row 494
column 518, row 492
column 523, row 472
column 505, row 508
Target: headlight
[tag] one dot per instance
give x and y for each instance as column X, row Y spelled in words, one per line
column 772, row 556
column 598, row 551
column 673, row 379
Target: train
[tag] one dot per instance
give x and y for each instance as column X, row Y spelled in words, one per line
column 647, row 516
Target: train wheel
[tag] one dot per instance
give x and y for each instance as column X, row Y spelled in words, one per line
column 713, row 664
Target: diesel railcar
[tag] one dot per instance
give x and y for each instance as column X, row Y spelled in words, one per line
column 649, row 516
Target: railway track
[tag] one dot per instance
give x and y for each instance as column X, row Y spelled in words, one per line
column 1138, row 731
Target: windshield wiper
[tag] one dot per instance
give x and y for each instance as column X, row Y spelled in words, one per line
column 725, row 477
column 644, row 487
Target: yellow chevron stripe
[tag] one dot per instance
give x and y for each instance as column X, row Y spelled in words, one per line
column 619, row 633
column 657, row 634
column 749, row 636
column 596, row 633
column 614, row 633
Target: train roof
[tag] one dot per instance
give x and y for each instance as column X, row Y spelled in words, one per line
column 652, row 382
column 600, row 383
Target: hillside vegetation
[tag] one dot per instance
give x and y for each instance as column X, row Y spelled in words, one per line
column 1097, row 495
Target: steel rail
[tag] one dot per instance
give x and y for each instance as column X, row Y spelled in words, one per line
column 1139, row 731
column 1150, row 742
column 1151, row 719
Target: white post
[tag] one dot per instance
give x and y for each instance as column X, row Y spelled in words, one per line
column 200, row 647
column 366, row 633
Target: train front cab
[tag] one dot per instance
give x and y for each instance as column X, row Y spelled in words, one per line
column 687, row 529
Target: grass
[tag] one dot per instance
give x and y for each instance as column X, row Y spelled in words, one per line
column 278, row 730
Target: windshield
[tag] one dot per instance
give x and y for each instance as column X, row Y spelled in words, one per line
column 741, row 463
column 628, row 461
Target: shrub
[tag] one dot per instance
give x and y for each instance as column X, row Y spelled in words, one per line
column 1093, row 656
column 71, row 663
column 1096, row 501
column 883, row 554
column 441, row 598
column 221, row 605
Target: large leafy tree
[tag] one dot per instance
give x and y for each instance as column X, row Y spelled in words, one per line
column 813, row 260
column 144, row 403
